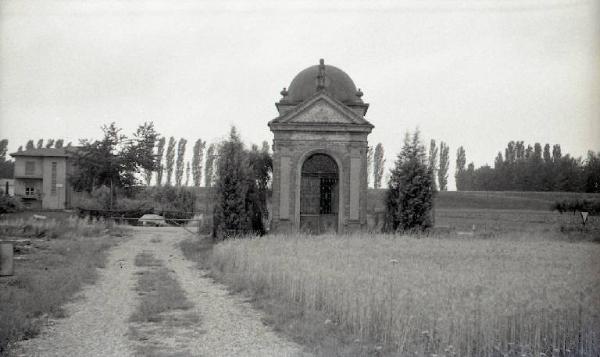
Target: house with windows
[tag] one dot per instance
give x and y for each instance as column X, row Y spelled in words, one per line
column 41, row 178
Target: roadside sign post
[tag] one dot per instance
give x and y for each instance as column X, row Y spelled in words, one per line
column 584, row 217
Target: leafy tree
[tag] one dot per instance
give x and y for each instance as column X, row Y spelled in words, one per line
column 409, row 198
column 59, row 143
column 112, row 161
column 208, row 170
column 29, row 145
column 7, row 167
column 378, row 166
column 170, row 159
column 159, row 156
column 197, row 158
column 40, row 143
column 592, row 172
column 180, row 163
column 49, row 143
column 3, row 149
column 369, row 164
column 444, row 166
column 433, row 153
column 20, row 148
column 145, row 139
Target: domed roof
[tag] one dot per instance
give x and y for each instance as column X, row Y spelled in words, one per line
column 309, row 81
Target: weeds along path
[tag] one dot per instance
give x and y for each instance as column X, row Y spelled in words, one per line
column 227, row 325
column 97, row 321
column 105, row 321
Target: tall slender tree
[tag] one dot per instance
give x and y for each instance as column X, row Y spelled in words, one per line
column 461, row 161
column 160, row 151
column 378, row 165
column 180, row 163
column 197, row 159
column 209, row 166
column 145, row 138
column 369, row 164
column 187, row 173
column 59, row 143
column 170, row 159
column 40, row 143
column 29, row 145
column 444, row 166
column 433, row 163
column 49, row 143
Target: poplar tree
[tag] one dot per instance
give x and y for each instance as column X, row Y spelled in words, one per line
column 433, row 164
column 187, row 173
column 160, row 151
column 59, row 143
column 369, row 164
column 461, row 161
column 444, row 166
column 208, row 169
column 170, row 158
column 180, row 163
column 197, row 159
column 378, row 166
column 49, row 143
column 40, row 143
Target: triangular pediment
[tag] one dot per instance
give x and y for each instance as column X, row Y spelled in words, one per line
column 322, row 109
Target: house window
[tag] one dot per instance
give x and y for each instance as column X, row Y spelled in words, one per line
column 29, row 167
column 29, row 191
column 53, row 179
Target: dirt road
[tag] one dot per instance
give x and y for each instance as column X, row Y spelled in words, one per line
column 98, row 322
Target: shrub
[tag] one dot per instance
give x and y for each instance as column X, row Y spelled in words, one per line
column 10, row 204
column 573, row 205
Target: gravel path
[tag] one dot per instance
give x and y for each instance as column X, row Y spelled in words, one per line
column 98, row 324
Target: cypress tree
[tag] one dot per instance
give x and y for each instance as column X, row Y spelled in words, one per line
column 409, row 198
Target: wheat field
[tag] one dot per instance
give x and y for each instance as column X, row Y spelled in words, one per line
column 516, row 296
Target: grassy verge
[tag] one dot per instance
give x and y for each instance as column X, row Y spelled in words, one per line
column 49, row 269
column 162, row 310
column 382, row 295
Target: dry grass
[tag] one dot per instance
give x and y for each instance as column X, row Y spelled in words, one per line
column 68, row 227
column 400, row 295
column 48, row 272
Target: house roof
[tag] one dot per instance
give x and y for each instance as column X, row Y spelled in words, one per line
column 45, row 152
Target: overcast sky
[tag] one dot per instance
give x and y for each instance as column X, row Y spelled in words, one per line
column 473, row 72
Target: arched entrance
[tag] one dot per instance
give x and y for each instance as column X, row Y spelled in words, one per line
column 319, row 195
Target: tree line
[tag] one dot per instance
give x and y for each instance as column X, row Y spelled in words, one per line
column 530, row 168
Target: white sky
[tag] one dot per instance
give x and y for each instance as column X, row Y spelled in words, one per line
column 475, row 73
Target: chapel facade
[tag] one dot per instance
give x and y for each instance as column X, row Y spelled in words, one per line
column 320, row 154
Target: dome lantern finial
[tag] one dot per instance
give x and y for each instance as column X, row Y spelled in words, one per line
column 359, row 93
column 283, row 93
column 321, row 75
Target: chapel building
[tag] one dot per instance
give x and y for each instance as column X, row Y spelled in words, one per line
column 320, row 154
